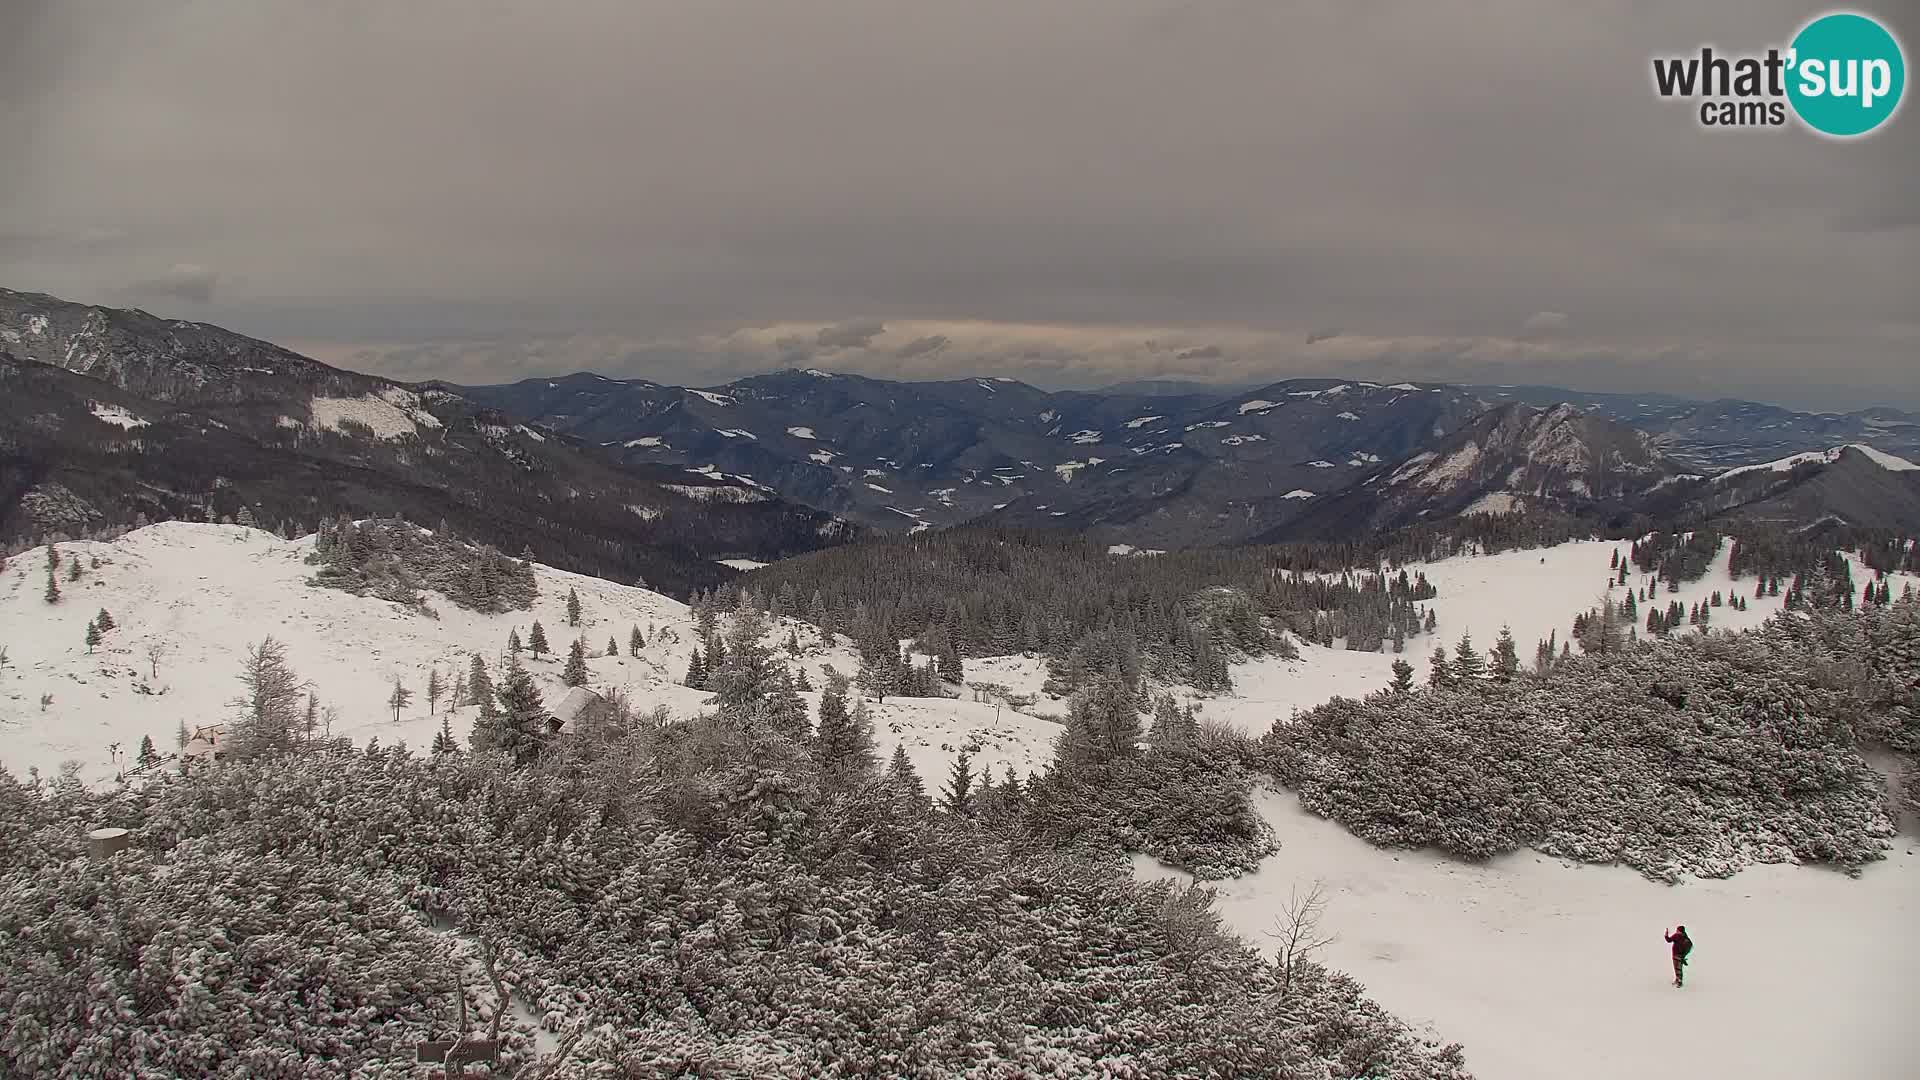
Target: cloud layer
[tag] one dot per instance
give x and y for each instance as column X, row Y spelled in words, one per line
column 1073, row 192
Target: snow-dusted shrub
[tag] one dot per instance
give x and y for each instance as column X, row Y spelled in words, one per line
column 1759, row 762
column 801, row 929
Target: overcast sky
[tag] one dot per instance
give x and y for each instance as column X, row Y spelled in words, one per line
column 1071, row 192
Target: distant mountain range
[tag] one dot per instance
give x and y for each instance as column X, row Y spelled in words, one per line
column 1167, row 464
column 112, row 414
column 109, row 417
column 1723, row 433
column 1158, row 470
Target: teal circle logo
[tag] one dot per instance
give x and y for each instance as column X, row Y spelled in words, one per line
column 1845, row 75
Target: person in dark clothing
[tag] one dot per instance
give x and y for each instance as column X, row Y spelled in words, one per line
column 1682, row 945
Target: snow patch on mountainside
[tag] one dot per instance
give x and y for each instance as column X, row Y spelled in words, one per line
column 391, row 414
column 649, row 440
column 715, row 493
column 1067, row 469
column 115, row 415
column 1143, row 421
column 1494, row 502
column 800, row 432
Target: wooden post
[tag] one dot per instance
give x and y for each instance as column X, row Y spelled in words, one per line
column 102, row 843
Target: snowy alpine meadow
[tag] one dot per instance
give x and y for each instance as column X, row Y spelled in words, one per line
column 720, row 840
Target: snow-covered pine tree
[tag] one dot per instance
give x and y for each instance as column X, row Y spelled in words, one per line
column 434, row 689
column 93, row 635
column 801, row 682
column 1506, row 657
column 1402, row 677
column 786, row 709
column 73, row 569
column 480, row 686
column 696, row 671
column 1169, row 731
column 1103, row 725
column 957, row 797
column 635, row 642
column 573, row 608
column 53, row 585
column 520, row 725
column 1439, row 671
column 904, row 780
column 513, row 642
column 1467, row 661
column 613, row 648
column 104, row 621
column 399, row 699
column 443, row 740
column 952, row 669
column 576, row 670
column 148, row 755
column 537, row 639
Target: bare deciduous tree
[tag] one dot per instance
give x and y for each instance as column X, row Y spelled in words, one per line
column 155, row 651
column 1297, row 929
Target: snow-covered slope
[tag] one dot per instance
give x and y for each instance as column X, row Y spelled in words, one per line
column 1549, row 969
column 208, row 592
column 1534, row 592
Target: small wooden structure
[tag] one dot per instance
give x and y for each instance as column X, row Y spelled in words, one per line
column 207, row 742
column 102, row 843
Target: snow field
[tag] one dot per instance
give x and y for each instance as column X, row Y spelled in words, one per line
column 1545, row 968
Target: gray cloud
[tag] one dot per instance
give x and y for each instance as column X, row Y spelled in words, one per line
column 1545, row 322
column 855, row 334
column 921, row 346
column 1316, row 336
column 1202, row 352
column 530, row 175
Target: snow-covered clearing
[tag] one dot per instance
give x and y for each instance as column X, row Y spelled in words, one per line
column 391, row 414
column 114, row 414
column 741, row 564
column 1551, row 969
